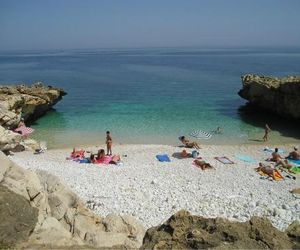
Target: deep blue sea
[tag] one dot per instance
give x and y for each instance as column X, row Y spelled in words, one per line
column 150, row 95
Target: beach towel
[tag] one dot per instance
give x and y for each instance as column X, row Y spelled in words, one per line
column 163, row 158
column 295, row 170
column 199, row 134
column 272, row 150
column 24, row 131
column 105, row 160
column 224, row 160
column 297, row 162
column 245, row 158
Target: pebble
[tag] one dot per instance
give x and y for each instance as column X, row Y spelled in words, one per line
column 152, row 191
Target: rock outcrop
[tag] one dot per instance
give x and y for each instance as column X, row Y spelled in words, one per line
column 38, row 211
column 28, row 102
column 185, row 231
column 278, row 95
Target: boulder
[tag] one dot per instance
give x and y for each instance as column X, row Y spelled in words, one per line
column 9, row 140
column 277, row 95
column 185, row 231
column 30, row 102
column 59, row 218
column 18, row 218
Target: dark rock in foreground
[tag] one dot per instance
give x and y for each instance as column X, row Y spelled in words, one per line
column 18, row 218
column 37, row 211
column 185, row 231
column 277, row 95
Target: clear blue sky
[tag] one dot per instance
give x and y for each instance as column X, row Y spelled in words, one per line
column 60, row 24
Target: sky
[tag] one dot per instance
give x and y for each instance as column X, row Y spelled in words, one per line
column 71, row 24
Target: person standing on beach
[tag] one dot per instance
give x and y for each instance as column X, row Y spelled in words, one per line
column 267, row 131
column 108, row 143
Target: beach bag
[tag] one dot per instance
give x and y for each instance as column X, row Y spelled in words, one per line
column 195, row 154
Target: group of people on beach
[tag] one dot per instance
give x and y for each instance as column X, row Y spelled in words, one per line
column 281, row 162
column 100, row 157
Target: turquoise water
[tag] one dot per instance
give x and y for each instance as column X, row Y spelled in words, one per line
column 150, row 95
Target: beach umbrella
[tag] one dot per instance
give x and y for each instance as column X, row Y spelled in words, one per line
column 199, row 134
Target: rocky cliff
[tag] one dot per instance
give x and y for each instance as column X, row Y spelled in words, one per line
column 28, row 102
column 38, row 211
column 277, row 95
column 185, row 231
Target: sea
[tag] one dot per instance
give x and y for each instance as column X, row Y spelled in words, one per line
column 152, row 95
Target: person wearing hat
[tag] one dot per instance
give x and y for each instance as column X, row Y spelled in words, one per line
column 295, row 155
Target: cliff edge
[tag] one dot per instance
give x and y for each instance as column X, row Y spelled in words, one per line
column 28, row 102
column 277, row 95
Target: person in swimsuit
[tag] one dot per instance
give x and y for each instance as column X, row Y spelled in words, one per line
column 276, row 157
column 295, row 155
column 185, row 154
column 203, row 165
column 108, row 143
column 21, row 123
column 189, row 144
column 100, row 155
column 285, row 164
column 267, row 131
column 268, row 170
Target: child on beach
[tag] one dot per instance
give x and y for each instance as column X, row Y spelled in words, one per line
column 108, row 143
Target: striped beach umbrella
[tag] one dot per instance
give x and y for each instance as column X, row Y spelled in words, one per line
column 199, row 134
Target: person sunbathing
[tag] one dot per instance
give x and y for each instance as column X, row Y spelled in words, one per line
column 185, row 154
column 115, row 159
column 295, row 155
column 285, row 164
column 276, row 157
column 203, row 165
column 189, row 144
column 268, row 170
column 77, row 153
column 100, row 155
column 90, row 159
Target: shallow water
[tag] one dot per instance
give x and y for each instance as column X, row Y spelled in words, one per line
column 151, row 95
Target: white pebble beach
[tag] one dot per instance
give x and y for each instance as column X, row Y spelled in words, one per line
column 152, row 191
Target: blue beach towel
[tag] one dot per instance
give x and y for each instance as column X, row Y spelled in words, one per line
column 245, row 158
column 163, row 158
column 294, row 161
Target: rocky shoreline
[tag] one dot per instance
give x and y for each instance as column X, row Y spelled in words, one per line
column 39, row 211
column 276, row 95
column 27, row 102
